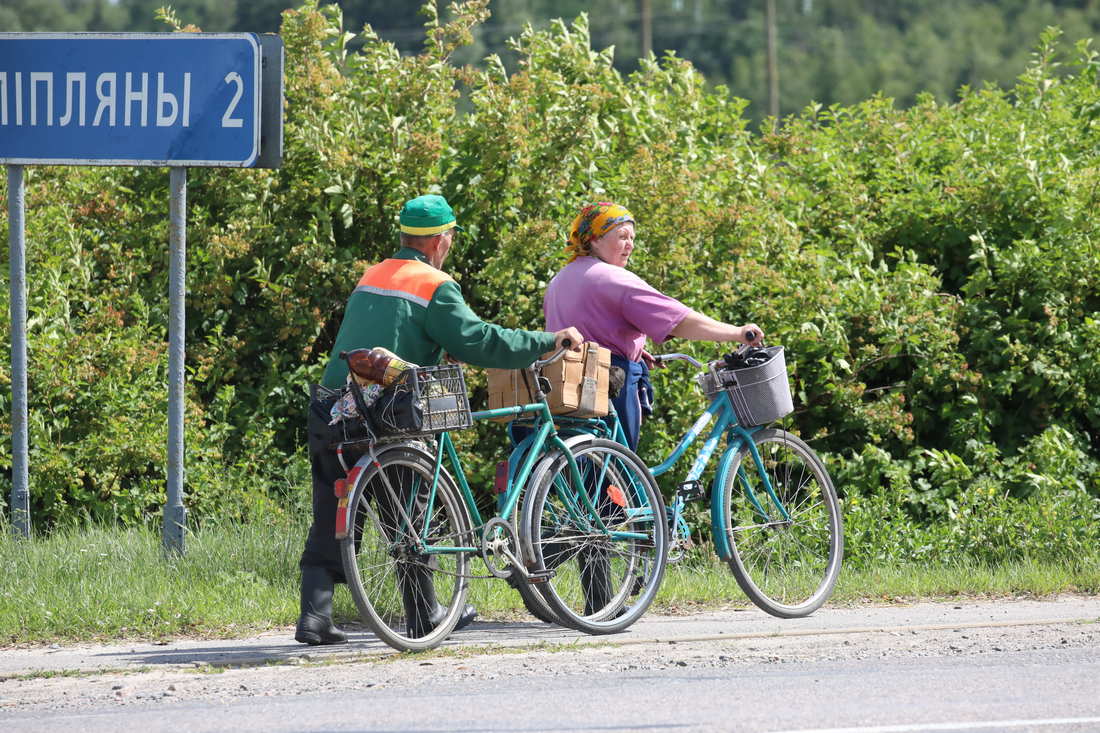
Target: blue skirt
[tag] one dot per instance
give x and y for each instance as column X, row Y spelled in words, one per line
column 635, row 399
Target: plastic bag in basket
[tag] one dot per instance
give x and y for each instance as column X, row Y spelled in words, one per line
column 345, row 409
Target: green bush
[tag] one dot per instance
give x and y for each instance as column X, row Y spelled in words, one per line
column 931, row 271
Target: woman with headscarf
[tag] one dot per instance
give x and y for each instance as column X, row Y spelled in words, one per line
column 614, row 307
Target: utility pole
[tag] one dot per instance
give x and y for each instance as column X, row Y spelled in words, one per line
column 647, row 27
column 773, row 64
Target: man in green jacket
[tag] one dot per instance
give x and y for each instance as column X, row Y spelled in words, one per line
column 408, row 305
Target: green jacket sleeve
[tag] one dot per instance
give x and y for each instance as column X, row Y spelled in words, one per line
column 452, row 325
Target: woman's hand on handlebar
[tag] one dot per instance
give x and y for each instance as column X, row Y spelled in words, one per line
column 568, row 338
column 650, row 361
column 751, row 334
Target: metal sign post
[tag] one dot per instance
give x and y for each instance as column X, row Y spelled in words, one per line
column 20, row 495
column 173, row 100
column 175, row 515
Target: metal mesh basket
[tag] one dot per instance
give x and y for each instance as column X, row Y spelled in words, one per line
column 443, row 398
column 422, row 401
column 760, row 394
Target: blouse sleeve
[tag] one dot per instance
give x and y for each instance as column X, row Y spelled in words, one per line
column 648, row 309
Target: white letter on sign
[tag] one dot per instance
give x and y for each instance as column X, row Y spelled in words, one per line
column 71, row 80
column 37, row 77
column 164, row 99
column 187, row 99
column 141, row 96
column 19, row 98
column 106, row 99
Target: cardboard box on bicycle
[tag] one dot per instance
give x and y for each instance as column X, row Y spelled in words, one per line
column 578, row 384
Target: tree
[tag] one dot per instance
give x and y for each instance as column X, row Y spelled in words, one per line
column 60, row 15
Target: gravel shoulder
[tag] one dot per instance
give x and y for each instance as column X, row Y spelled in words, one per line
column 91, row 677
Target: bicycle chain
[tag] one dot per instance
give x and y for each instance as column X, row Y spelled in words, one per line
column 455, row 536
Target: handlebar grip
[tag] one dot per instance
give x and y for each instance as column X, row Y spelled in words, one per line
column 751, row 335
column 566, row 343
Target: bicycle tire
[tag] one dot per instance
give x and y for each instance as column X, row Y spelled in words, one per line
column 787, row 567
column 532, row 599
column 383, row 568
column 635, row 564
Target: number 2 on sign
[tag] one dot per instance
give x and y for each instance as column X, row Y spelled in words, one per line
column 227, row 119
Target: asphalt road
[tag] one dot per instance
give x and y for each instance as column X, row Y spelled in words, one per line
column 997, row 665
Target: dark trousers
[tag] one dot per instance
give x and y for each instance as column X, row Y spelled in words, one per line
column 322, row 549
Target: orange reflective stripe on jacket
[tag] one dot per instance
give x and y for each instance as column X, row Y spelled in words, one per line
column 409, row 279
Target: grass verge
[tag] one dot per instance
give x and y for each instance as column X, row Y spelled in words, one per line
column 98, row 583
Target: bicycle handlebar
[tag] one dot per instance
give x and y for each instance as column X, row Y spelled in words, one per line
column 566, row 344
column 750, row 336
column 662, row 358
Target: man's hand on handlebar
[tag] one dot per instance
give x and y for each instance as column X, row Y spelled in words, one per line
column 751, row 334
column 565, row 339
column 570, row 335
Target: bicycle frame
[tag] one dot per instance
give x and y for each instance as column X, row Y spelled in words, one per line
column 520, row 464
column 720, row 412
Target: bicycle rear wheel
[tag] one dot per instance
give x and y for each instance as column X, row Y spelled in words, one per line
column 606, row 566
column 402, row 560
column 787, row 565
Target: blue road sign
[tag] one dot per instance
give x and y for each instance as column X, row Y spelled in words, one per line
column 163, row 99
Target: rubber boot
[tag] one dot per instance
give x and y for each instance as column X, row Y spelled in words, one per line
column 315, row 623
column 595, row 579
column 423, row 612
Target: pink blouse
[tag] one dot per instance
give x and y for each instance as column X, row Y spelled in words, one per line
column 610, row 305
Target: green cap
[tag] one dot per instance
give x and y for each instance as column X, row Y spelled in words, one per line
column 426, row 215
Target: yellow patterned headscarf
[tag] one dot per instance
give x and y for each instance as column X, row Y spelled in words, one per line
column 594, row 221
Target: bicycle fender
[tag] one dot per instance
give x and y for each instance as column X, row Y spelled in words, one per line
column 382, row 448
column 515, row 458
column 718, row 518
column 345, row 488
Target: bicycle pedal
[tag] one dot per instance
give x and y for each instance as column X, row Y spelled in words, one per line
column 691, row 491
column 539, row 576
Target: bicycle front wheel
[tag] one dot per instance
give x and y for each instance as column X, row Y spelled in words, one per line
column 406, row 556
column 787, row 544
column 533, row 600
column 606, row 563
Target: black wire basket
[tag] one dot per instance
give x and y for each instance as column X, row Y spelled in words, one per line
column 760, row 394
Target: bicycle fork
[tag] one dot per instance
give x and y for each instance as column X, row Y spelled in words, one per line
column 719, row 516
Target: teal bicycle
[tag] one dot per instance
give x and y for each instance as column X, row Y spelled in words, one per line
column 578, row 529
column 774, row 514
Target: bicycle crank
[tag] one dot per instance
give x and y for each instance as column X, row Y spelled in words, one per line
column 498, row 540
